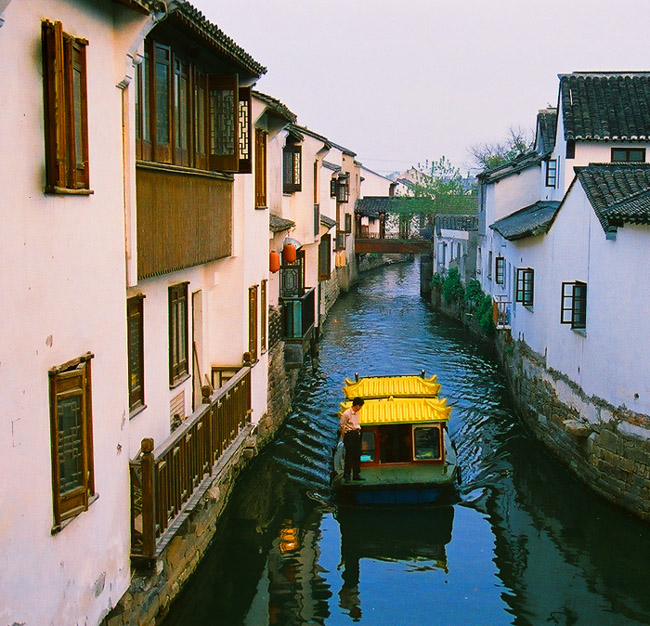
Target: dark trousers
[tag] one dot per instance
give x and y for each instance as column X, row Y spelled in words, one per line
column 352, row 443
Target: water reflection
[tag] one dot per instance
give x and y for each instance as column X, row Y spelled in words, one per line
column 417, row 536
column 526, row 544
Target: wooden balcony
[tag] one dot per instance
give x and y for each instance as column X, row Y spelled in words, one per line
column 298, row 315
column 166, row 481
column 184, row 218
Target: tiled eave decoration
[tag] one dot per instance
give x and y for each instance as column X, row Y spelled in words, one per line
column 530, row 221
column 619, row 193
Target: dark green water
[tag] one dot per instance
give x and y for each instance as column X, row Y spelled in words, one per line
column 523, row 543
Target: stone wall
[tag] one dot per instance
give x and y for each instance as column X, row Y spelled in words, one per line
column 154, row 587
column 606, row 447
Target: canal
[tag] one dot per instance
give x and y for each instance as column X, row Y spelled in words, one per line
column 521, row 543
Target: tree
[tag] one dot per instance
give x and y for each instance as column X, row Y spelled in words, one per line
column 438, row 187
column 489, row 155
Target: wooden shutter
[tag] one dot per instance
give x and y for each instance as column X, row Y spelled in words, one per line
column 252, row 323
column 260, row 168
column 263, row 315
column 54, row 96
column 223, row 123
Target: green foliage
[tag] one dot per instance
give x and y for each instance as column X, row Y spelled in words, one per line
column 473, row 293
column 437, row 280
column 452, row 288
column 439, row 187
column 484, row 315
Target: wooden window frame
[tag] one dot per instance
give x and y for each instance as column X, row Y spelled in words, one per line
column 292, row 168
column 135, row 341
column 199, row 123
column 626, row 154
column 162, row 148
column 223, row 123
column 489, row 267
column 260, row 168
column 264, row 316
column 525, row 286
column 252, row 323
column 574, row 304
column 68, row 381
column 551, row 173
column 65, row 110
column 347, row 218
column 178, row 334
column 325, row 257
column 143, row 91
column 500, row 270
column 245, row 134
column 181, row 111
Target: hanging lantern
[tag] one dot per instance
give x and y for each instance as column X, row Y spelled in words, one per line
column 289, row 253
column 274, row 262
column 289, row 249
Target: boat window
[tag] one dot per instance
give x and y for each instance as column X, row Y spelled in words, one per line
column 395, row 443
column 367, row 446
column 426, row 443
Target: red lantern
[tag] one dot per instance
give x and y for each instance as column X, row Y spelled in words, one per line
column 289, row 253
column 274, row 262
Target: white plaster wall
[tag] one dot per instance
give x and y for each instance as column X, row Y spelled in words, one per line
column 374, row 184
column 63, row 286
column 515, row 192
column 608, row 358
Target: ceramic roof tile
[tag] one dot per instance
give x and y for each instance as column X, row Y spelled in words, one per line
column 606, row 106
column 277, row 224
column 619, row 193
column 192, row 18
column 532, row 220
column 514, row 166
column 455, row 222
column 395, row 386
column 546, row 127
column 276, row 106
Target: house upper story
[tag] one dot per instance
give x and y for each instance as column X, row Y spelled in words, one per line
column 602, row 117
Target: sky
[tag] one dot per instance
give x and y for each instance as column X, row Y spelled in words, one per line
column 401, row 82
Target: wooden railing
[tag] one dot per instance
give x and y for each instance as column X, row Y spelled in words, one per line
column 164, row 479
column 299, row 315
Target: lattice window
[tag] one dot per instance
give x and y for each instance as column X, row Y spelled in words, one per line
column 252, row 323
column 245, row 131
column 71, row 438
column 135, row 331
column 178, row 325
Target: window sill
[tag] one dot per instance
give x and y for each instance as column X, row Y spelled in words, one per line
column 177, row 383
column 580, row 331
column 261, row 208
column 138, row 409
column 64, row 191
column 57, row 528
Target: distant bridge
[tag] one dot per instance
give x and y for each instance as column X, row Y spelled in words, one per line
column 389, row 245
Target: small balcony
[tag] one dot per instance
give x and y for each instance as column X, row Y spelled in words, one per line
column 298, row 316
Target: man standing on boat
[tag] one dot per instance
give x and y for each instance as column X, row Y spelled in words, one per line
column 351, row 433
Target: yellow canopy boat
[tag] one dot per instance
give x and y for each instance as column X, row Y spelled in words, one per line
column 406, row 453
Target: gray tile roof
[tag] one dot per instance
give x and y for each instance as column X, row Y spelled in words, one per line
column 331, row 166
column 606, row 106
column 281, row 110
column 455, row 222
column 190, row 17
column 619, row 193
column 532, row 220
column 546, row 126
column 514, row 166
column 277, row 224
column 328, row 222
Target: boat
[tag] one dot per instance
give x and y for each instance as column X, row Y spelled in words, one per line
column 407, row 456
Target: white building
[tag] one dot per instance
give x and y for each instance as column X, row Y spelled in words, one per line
column 64, row 537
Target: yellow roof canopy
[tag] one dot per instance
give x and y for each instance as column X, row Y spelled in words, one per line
column 395, row 386
column 402, row 411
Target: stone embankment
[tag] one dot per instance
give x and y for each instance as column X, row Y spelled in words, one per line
column 606, row 447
